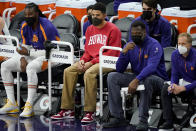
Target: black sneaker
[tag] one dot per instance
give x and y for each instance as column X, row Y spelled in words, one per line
column 115, row 122
column 141, row 126
column 166, row 127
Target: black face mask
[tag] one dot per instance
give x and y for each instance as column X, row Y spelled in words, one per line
column 30, row 20
column 96, row 21
column 137, row 39
column 90, row 18
column 147, row 15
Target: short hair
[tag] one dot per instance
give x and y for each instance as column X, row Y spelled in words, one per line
column 89, row 7
column 150, row 3
column 187, row 35
column 99, row 6
column 35, row 7
column 138, row 23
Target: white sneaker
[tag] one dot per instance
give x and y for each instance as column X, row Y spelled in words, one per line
column 88, row 118
column 9, row 107
column 28, row 110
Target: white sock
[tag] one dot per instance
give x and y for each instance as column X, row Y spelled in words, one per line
column 10, row 94
column 31, row 94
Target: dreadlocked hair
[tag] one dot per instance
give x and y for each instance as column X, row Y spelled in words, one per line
column 35, row 7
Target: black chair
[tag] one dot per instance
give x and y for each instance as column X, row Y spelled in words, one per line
column 57, row 71
column 124, row 26
column 16, row 33
column 72, row 38
column 15, row 26
column 66, row 23
column 167, row 56
column 110, row 10
column 17, row 21
column 174, row 35
column 190, row 111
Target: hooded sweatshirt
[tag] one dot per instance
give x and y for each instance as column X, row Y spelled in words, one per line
column 145, row 60
column 159, row 28
column 184, row 68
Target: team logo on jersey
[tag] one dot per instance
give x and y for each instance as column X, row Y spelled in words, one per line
column 35, row 38
column 156, row 50
column 146, row 56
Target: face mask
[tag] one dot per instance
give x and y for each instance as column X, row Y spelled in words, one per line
column 137, row 39
column 30, row 20
column 182, row 49
column 147, row 15
column 96, row 21
column 90, row 18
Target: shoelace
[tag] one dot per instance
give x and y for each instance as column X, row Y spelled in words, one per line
column 61, row 113
column 27, row 106
column 8, row 104
column 67, row 112
column 87, row 116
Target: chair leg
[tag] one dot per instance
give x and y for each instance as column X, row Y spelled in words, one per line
column 186, row 118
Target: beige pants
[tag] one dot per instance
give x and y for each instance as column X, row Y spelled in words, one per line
column 70, row 79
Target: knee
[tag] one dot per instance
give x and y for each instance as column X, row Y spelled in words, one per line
column 89, row 74
column 30, row 70
column 148, row 84
column 149, row 79
column 70, row 69
column 164, row 90
column 112, row 77
column 66, row 70
column 4, row 67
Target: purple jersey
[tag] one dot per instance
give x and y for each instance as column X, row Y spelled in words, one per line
column 44, row 31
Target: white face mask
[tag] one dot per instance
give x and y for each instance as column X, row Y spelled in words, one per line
column 182, row 49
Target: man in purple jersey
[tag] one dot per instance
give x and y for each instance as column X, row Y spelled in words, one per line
column 157, row 26
column 148, row 67
column 35, row 31
column 183, row 67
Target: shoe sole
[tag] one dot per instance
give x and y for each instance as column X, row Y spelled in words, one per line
column 87, row 122
column 26, row 116
column 13, row 111
column 62, row 118
column 10, row 112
